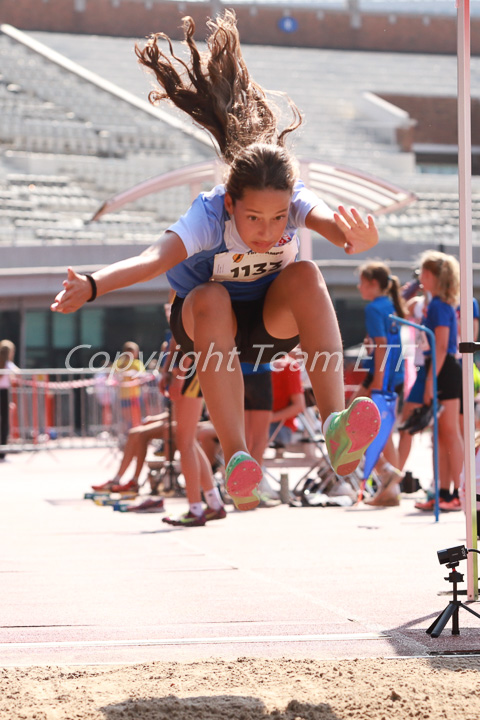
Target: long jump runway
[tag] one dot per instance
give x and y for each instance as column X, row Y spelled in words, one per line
column 82, row 584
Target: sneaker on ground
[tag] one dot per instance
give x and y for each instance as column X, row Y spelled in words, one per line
column 242, row 477
column 105, row 487
column 211, row 514
column 427, row 505
column 388, row 496
column 129, row 487
column 150, row 505
column 188, row 519
column 449, row 505
column 349, row 434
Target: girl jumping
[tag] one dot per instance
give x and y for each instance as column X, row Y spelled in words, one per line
column 240, row 295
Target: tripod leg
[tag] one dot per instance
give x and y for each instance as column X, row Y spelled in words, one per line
column 430, row 629
column 455, row 625
column 441, row 621
column 469, row 609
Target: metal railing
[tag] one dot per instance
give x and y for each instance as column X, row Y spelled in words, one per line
column 57, row 408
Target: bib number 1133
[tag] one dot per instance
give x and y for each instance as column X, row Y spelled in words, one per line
column 255, row 269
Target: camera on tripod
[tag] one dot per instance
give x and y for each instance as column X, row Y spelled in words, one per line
column 452, row 555
column 451, row 558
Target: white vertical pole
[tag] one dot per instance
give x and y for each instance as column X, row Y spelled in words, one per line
column 466, row 282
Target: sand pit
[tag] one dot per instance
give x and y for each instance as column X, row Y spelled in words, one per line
column 247, row 689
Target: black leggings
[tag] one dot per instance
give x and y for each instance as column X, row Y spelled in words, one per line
column 4, row 422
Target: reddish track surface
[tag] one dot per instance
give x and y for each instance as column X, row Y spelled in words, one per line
column 84, row 584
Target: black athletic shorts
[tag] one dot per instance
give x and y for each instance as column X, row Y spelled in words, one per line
column 250, row 332
column 449, row 379
column 258, row 391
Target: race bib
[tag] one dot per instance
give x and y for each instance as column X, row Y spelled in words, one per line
column 250, row 266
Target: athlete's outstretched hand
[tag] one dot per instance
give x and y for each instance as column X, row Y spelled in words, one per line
column 359, row 236
column 77, row 290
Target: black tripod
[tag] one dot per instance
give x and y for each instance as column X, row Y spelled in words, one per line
column 451, row 611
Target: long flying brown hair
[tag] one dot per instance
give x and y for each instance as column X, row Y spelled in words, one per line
column 215, row 89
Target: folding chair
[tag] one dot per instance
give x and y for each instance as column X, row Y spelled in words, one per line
column 309, row 451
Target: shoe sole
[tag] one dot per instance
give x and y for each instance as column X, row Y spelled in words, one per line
column 249, row 502
column 242, row 484
column 361, row 430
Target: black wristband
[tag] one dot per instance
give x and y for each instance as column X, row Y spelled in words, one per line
column 93, row 285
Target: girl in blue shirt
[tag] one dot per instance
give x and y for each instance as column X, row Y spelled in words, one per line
column 382, row 290
column 386, row 375
column 231, row 257
column 440, row 275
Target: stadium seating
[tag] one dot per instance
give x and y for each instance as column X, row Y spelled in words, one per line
column 66, row 144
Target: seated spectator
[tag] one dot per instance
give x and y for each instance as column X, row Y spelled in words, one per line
column 138, row 439
column 187, row 407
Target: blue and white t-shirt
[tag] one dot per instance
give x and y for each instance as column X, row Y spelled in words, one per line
column 216, row 251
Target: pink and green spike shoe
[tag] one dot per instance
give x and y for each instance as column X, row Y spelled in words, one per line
column 350, row 432
column 242, row 477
